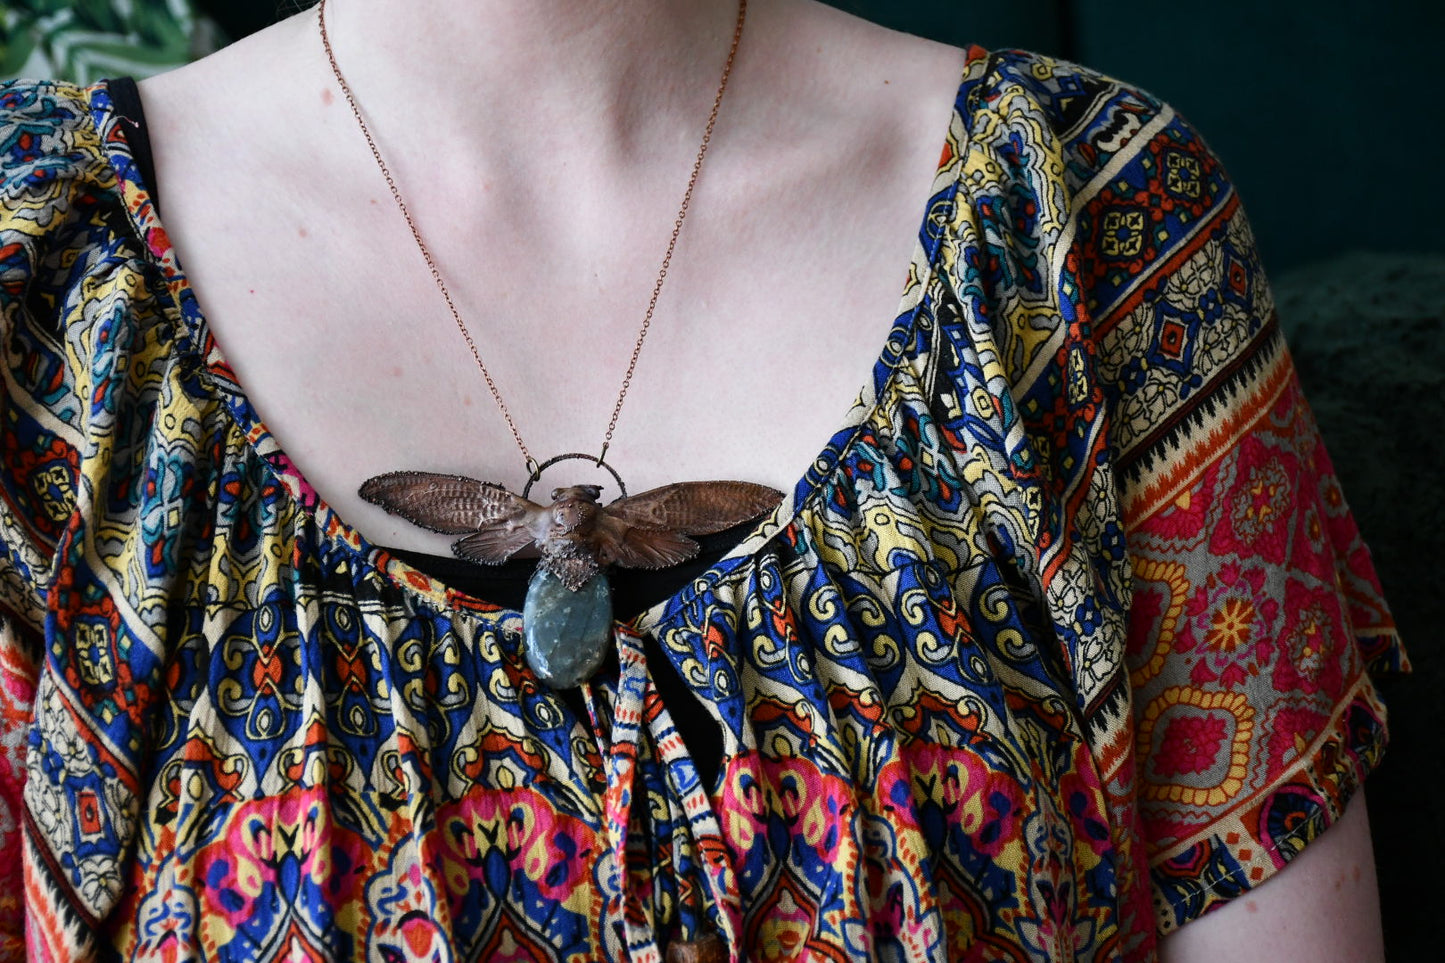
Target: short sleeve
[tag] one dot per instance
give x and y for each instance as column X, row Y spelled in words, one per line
column 45, row 175
column 37, row 491
column 1204, row 586
column 1256, row 617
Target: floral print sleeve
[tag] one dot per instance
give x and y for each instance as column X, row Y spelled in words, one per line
column 1256, row 616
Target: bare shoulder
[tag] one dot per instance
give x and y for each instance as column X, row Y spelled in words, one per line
column 1323, row 906
column 868, row 42
column 833, row 52
column 247, row 93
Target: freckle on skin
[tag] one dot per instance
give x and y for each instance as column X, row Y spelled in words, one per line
column 1251, row 905
column 396, row 371
column 301, row 231
column 1355, row 873
column 326, row 96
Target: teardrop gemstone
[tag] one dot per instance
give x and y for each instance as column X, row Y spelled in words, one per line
column 565, row 632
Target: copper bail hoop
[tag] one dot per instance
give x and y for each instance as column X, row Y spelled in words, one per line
column 569, row 456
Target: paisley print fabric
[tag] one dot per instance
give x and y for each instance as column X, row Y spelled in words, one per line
column 1063, row 639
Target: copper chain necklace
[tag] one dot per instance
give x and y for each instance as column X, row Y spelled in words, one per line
column 567, row 617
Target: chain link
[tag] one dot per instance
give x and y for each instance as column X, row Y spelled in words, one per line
column 531, row 463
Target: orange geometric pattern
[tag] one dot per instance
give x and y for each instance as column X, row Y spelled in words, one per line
column 1179, row 743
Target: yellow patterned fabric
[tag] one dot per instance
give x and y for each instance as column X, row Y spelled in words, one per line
column 1064, row 639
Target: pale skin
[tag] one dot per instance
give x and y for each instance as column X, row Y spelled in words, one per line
column 1324, row 906
column 543, row 154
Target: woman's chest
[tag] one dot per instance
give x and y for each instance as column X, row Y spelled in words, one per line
column 351, row 327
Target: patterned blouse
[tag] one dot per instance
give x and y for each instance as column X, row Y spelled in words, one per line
column 1061, row 642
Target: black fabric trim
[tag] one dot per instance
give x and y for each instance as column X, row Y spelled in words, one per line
column 633, row 590
column 125, row 96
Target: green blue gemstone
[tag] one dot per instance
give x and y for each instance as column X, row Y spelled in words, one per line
column 566, row 633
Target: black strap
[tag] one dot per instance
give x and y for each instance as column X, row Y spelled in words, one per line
column 125, row 95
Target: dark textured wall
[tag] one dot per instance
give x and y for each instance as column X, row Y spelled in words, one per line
column 1327, row 114
column 1366, row 332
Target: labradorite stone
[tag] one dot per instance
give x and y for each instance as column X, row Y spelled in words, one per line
column 566, row 632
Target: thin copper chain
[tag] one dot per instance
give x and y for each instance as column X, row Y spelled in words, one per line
column 531, row 463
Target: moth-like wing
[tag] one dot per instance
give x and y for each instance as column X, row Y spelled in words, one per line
column 450, row 504
column 633, row 546
column 494, row 544
column 698, row 508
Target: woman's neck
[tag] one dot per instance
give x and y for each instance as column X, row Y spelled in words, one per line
column 640, row 67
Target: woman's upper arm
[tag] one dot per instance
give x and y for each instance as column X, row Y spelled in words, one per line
column 1322, row 907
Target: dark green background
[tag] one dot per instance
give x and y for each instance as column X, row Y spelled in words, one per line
column 1327, row 115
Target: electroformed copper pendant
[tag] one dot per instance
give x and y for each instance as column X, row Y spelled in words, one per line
column 567, row 615
column 566, row 632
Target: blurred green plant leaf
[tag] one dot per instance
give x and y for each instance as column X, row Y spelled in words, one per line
column 85, row 40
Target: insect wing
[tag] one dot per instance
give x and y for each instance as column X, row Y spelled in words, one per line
column 449, row 504
column 698, row 508
column 494, row 544
column 632, row 546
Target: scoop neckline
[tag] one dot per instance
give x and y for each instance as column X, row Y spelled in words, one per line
column 194, row 335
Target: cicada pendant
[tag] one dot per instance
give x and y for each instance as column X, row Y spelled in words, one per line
column 567, row 615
